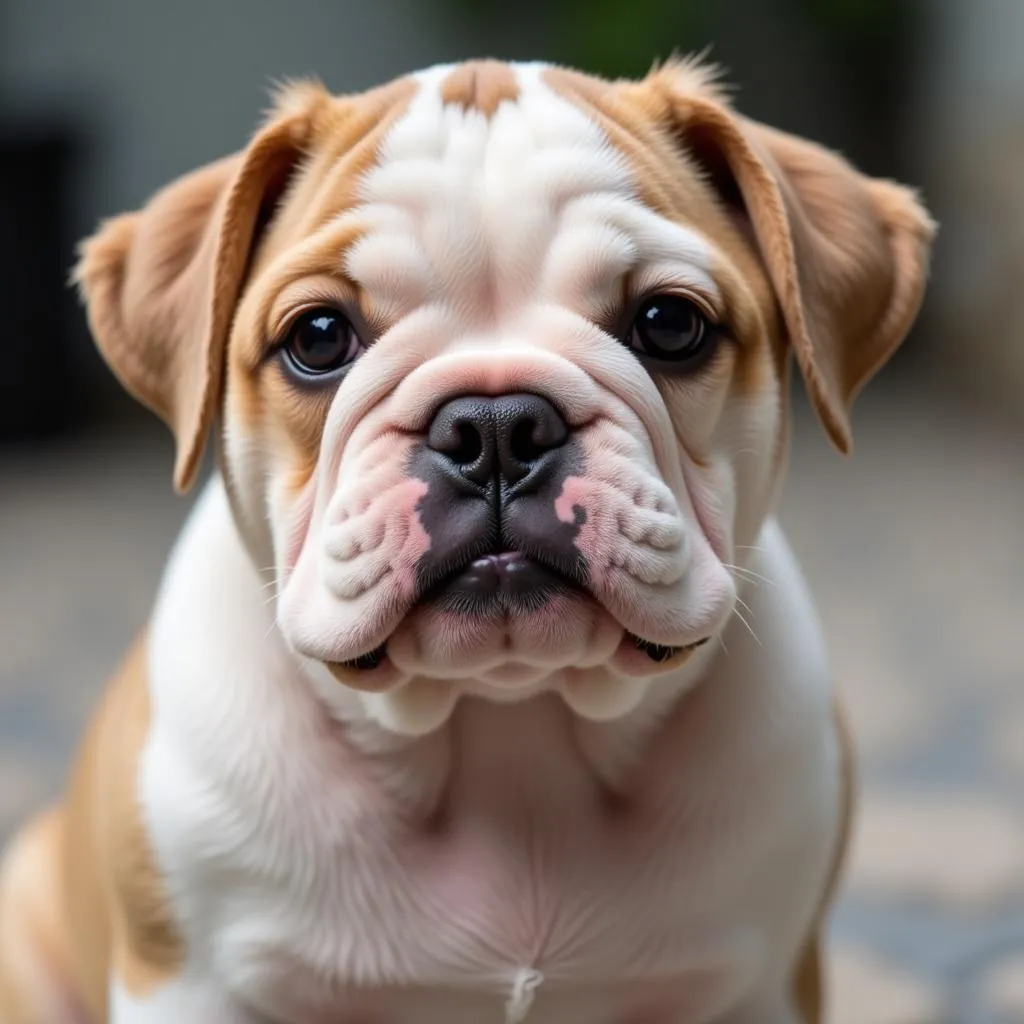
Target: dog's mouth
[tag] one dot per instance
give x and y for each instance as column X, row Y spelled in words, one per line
column 502, row 584
column 366, row 662
column 658, row 653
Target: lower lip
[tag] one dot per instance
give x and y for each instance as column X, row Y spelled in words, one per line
column 374, row 675
column 373, row 678
column 636, row 656
column 507, row 583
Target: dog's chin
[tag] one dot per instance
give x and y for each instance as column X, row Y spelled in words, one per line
column 504, row 626
column 433, row 660
column 509, row 645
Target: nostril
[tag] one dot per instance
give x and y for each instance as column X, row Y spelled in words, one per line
column 460, row 431
column 470, row 444
column 534, row 427
column 525, row 444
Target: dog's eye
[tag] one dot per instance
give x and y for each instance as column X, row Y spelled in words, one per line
column 671, row 329
column 321, row 341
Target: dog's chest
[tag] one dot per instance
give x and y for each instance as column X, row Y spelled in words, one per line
column 529, row 895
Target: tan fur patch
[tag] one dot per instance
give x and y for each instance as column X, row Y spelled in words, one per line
column 346, row 147
column 480, row 85
column 671, row 183
column 35, row 960
column 847, row 254
column 130, row 926
column 92, row 899
column 809, row 986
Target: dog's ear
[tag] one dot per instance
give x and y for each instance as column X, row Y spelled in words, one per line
column 847, row 255
column 161, row 285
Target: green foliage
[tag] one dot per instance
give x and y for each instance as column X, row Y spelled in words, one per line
column 608, row 37
column 615, row 38
column 623, row 37
column 843, row 15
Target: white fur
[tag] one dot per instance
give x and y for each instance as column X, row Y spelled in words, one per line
column 301, row 848
column 287, row 888
column 187, row 999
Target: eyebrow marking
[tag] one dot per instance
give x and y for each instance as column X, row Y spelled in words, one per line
column 480, row 85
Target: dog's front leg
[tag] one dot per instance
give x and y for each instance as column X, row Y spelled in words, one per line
column 184, row 1000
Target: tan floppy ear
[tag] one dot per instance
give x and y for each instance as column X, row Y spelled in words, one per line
column 161, row 285
column 847, row 254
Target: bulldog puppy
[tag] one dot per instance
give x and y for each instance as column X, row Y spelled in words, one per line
column 481, row 685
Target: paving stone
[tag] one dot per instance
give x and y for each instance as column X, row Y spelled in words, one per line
column 887, row 715
column 1003, row 989
column 24, row 786
column 963, row 850
column 867, row 990
column 996, row 651
column 1008, row 739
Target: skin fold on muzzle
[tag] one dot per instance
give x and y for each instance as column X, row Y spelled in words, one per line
column 501, row 533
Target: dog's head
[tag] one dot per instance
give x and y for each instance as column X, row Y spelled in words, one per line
column 500, row 356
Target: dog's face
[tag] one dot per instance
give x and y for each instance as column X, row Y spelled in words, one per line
column 500, row 357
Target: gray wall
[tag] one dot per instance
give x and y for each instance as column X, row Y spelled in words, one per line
column 153, row 89
column 165, row 86
column 970, row 140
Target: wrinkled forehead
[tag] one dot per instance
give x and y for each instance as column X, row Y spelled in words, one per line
column 490, row 183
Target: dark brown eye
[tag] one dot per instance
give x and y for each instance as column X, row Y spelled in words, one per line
column 320, row 342
column 671, row 329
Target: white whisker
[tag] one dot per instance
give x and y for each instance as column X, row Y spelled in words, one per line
column 750, row 629
column 748, row 574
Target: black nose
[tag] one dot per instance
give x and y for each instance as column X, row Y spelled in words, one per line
column 504, row 436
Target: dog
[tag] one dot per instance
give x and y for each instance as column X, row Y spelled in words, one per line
column 481, row 685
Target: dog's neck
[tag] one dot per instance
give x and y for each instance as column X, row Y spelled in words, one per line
column 512, row 750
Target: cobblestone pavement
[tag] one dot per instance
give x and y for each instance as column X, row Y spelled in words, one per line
column 914, row 550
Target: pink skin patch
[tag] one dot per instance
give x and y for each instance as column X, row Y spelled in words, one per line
column 355, row 575
column 650, row 565
column 378, row 539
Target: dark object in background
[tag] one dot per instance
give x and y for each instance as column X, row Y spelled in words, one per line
column 37, row 345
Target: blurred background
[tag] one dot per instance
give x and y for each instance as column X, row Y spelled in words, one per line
column 913, row 547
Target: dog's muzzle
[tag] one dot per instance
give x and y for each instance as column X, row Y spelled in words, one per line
column 494, row 468
column 501, row 541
